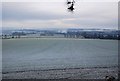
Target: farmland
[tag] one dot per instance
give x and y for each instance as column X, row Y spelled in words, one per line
column 57, row 53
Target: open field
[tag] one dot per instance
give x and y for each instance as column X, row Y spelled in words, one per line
column 35, row 58
column 71, row 73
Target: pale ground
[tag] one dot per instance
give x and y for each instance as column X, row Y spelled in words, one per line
column 77, row 73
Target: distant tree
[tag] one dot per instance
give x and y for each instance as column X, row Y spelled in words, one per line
column 5, row 36
column 18, row 34
column 12, row 36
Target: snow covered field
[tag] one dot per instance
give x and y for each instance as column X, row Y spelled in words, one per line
column 57, row 53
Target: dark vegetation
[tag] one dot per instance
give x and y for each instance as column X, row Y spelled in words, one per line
column 70, row 33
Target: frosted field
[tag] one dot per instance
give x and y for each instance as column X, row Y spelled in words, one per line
column 51, row 53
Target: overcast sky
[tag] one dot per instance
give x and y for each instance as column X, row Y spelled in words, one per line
column 35, row 15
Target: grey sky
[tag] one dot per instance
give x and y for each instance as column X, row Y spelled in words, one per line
column 35, row 15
